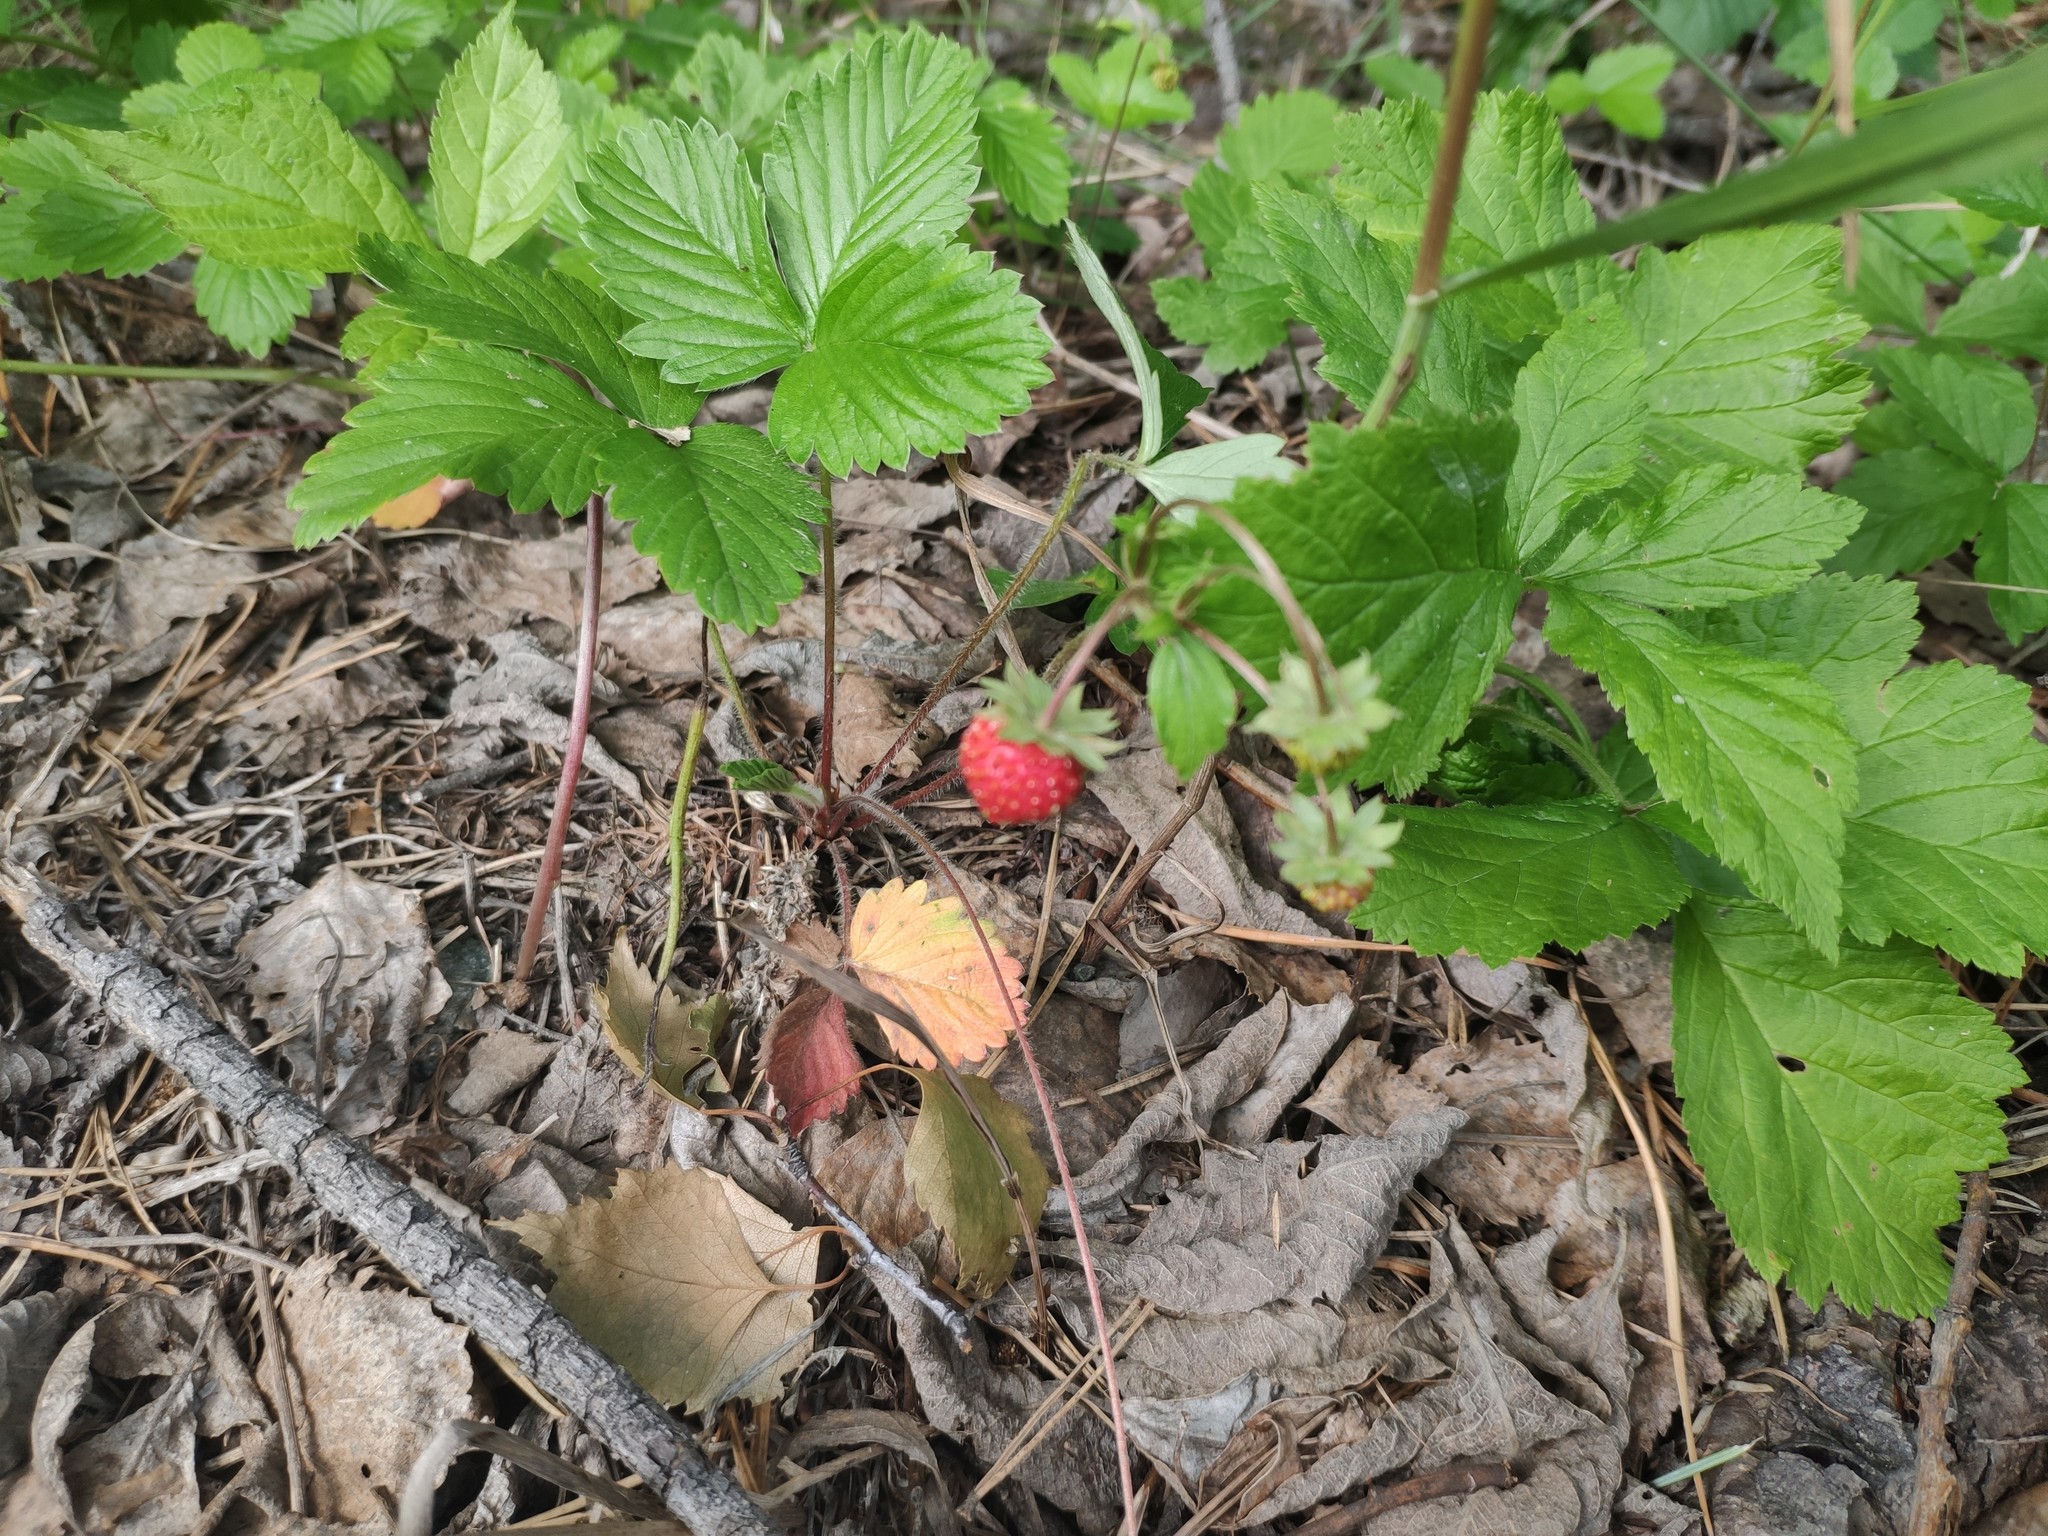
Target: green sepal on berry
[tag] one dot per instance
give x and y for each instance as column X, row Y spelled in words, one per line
column 1017, row 703
column 1323, row 733
column 1331, row 858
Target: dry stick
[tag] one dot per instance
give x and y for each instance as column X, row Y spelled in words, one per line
column 1468, row 64
column 1128, row 887
column 1440, row 1484
column 1667, row 1241
column 423, row 1245
column 1841, row 25
column 274, row 1357
column 572, row 750
column 677, row 858
column 1934, row 1479
column 325, row 381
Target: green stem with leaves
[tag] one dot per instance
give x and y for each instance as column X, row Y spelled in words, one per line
column 327, row 381
column 1584, row 760
column 677, row 862
column 1468, row 69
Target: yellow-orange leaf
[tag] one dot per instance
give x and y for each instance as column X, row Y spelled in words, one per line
column 924, row 954
column 415, row 509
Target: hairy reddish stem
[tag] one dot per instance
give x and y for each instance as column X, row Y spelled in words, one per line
column 828, row 779
column 572, row 751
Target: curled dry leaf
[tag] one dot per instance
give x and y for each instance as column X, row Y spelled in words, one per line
column 418, row 506
column 927, row 955
column 685, row 1033
column 955, row 1177
column 809, row 1059
column 686, row 1280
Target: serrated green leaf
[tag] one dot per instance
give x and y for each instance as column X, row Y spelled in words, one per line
column 1714, row 535
column 1624, row 83
column 499, row 143
column 1919, row 504
column 1579, row 405
column 1949, row 843
column 879, row 152
column 1977, row 408
column 2007, row 314
column 1848, row 635
column 1754, row 750
column 253, row 307
column 349, row 43
column 1283, row 133
column 677, row 230
column 740, row 89
column 955, row 1178
column 1217, row 205
column 723, row 514
column 1401, row 78
column 1024, row 151
column 68, row 215
column 2012, row 551
column 59, row 95
column 1132, row 83
column 757, row 773
column 914, row 350
column 515, row 425
column 1238, row 315
column 1395, row 543
column 499, row 304
column 1353, row 290
column 1831, row 1102
column 1741, row 332
column 1503, row 881
column 1211, row 471
column 261, row 177
column 215, row 49
column 2019, row 196
column 1193, row 699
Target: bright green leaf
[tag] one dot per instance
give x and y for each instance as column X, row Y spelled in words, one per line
column 677, row 232
column 1754, row 750
column 68, row 215
column 1579, row 404
column 499, row 144
column 1285, row 133
column 1919, row 504
column 1240, row 314
column 915, row 350
column 1133, row 83
column 1503, row 881
column 956, row 1180
column 2007, row 314
column 253, row 307
column 1024, row 151
column 1714, row 536
column 879, row 152
column 1193, row 699
column 1979, row 409
column 1111, row 306
column 1831, row 1102
column 1624, row 82
column 215, row 49
column 1211, row 471
column 1949, row 843
column 1401, row 78
column 740, row 88
column 2012, row 551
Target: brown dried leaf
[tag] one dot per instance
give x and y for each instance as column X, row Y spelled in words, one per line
column 809, row 1060
column 924, row 955
column 686, row 1280
column 866, row 724
column 685, row 1033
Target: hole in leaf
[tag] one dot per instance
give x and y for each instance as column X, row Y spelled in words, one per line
column 1820, row 777
column 1791, row 1063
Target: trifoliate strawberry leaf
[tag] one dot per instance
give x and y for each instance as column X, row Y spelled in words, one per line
column 1742, row 333
column 956, row 1180
column 2012, row 553
column 1193, row 698
column 1949, row 843
column 1506, row 880
column 255, row 308
column 1714, row 535
column 1919, row 504
column 1133, row 83
column 499, row 304
column 913, row 350
column 1755, row 751
column 1353, row 290
column 1395, row 544
column 724, row 515
column 517, row 426
column 1024, row 151
column 677, row 229
column 1977, row 408
column 809, row 1060
column 879, row 152
column 1237, row 315
column 1579, row 405
column 499, row 143
column 260, row 176
column 1831, row 1102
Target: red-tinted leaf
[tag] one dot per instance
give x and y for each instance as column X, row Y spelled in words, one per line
column 809, row 1059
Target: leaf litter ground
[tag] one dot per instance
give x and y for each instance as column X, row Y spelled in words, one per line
column 1364, row 1214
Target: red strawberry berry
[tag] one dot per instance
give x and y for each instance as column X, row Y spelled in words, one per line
column 1015, row 781
column 1025, row 758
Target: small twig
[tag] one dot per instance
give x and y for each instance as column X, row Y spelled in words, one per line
column 678, row 857
column 416, row 1503
column 950, row 1317
column 1440, row 1484
column 325, row 381
column 1140, row 872
column 1934, row 1478
column 274, row 1356
column 572, row 750
column 1223, row 53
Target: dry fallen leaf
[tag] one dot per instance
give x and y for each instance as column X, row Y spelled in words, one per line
column 927, row 956
column 687, row 1281
column 808, row 1058
column 685, row 1034
column 954, row 1175
column 415, row 509
column 867, row 723
column 381, row 1373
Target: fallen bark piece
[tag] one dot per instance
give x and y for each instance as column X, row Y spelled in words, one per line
column 420, row 1243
